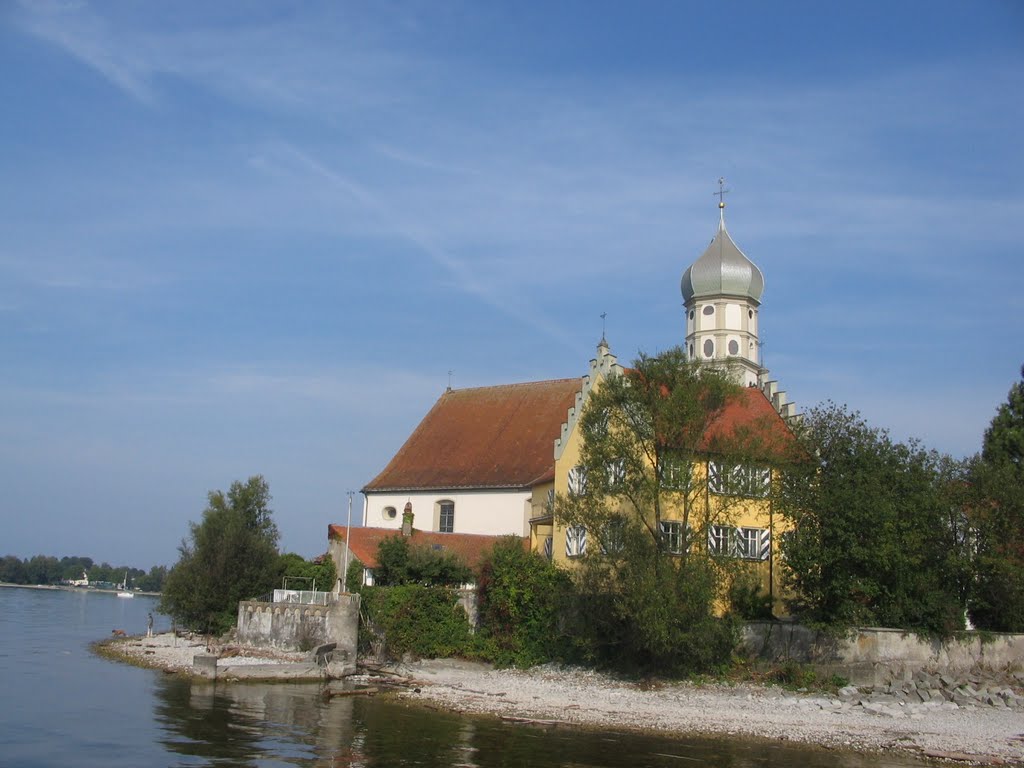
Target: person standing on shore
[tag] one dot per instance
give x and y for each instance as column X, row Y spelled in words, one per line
column 149, row 626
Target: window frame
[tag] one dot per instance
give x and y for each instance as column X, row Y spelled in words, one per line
column 446, row 508
column 675, row 530
column 721, row 540
column 751, row 481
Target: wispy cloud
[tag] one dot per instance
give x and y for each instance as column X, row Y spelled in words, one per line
column 72, row 27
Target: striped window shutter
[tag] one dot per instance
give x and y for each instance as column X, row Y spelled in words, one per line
column 716, row 478
column 765, row 544
column 575, row 540
column 548, row 547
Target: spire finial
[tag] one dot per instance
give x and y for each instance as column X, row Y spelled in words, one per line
column 603, row 342
column 722, row 192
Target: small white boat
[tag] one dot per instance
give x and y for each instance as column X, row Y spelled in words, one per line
column 123, row 592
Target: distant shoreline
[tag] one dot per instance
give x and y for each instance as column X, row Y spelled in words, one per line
column 67, row 588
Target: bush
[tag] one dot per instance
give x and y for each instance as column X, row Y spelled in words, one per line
column 425, row 622
column 747, row 598
column 652, row 616
column 402, row 562
column 354, row 576
column 521, row 601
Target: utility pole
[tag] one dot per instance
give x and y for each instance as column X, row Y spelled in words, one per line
column 348, row 540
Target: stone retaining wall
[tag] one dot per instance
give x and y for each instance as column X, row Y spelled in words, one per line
column 873, row 656
column 296, row 627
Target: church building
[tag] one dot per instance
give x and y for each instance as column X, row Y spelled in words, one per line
column 489, row 461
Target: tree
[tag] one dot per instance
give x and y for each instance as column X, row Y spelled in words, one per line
column 318, row 572
column 154, row 580
column 230, row 556
column 521, row 602
column 402, row 562
column 879, row 536
column 997, row 512
column 647, row 603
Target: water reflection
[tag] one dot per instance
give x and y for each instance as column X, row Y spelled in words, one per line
column 293, row 724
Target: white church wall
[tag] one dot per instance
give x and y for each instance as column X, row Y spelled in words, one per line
column 488, row 513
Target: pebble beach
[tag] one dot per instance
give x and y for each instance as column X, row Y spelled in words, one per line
column 864, row 721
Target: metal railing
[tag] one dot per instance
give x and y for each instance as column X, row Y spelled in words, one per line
column 302, row 597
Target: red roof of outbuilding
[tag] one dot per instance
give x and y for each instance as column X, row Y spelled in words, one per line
column 486, row 437
column 467, row 547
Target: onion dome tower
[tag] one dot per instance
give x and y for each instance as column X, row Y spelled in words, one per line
column 722, row 293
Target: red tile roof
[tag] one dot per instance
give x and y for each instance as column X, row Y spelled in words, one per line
column 486, row 437
column 750, row 424
column 467, row 547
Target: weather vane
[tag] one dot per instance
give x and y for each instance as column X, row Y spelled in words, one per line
column 603, row 316
column 450, row 372
column 722, row 192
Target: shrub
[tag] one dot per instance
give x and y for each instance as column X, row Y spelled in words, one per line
column 425, row 622
column 402, row 562
column 521, row 601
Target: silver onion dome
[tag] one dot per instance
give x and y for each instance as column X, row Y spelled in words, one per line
column 723, row 269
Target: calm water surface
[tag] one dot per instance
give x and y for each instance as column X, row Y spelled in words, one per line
column 60, row 705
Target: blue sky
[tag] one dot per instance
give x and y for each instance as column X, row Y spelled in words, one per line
column 245, row 238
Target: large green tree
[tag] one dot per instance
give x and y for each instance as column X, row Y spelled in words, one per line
column 879, row 535
column 997, row 512
column 646, row 603
column 230, row 556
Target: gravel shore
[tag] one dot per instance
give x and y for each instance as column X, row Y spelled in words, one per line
column 579, row 697
column 985, row 735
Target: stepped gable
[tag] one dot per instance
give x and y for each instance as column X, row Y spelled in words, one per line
column 469, row 548
column 484, row 437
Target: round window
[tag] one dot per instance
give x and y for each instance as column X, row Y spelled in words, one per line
column 708, row 309
column 691, row 350
column 691, row 314
column 734, row 347
column 750, row 314
column 390, row 513
column 709, row 348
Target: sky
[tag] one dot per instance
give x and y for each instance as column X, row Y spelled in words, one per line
column 255, row 238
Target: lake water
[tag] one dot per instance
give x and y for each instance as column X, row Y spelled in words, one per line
column 60, row 705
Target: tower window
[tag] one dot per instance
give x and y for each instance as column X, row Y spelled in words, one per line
column 709, row 348
column 750, row 314
column 691, row 314
column 708, row 309
column 734, row 347
column 691, row 350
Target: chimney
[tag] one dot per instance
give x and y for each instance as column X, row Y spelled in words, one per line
column 407, row 519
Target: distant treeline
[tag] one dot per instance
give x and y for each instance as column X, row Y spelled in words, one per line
column 44, row 569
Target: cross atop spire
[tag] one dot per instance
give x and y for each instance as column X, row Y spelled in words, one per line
column 722, row 192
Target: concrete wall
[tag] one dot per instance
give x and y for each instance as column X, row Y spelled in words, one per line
column 292, row 627
column 874, row 656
